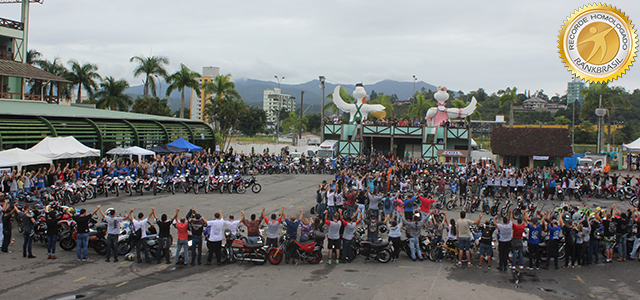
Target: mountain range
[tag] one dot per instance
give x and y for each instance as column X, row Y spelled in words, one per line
column 251, row 91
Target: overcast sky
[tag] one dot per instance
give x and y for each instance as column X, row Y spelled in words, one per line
column 463, row 45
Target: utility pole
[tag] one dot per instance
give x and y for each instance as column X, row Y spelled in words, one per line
column 322, row 110
column 301, row 106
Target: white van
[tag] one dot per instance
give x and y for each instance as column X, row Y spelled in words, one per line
column 328, row 148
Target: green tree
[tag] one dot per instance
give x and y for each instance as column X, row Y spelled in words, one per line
column 422, row 105
column 509, row 96
column 293, row 120
column 219, row 88
column 253, row 121
column 227, row 112
column 56, row 67
column 150, row 67
column 612, row 98
column 111, row 95
column 585, row 134
column 33, row 56
column 180, row 80
column 84, row 75
column 151, row 106
column 315, row 122
column 562, row 120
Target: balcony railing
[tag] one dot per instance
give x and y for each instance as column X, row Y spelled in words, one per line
column 6, row 55
column 11, row 24
column 16, row 96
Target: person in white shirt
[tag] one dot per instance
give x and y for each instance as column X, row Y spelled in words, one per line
column 113, row 231
column 214, row 242
column 141, row 239
column 232, row 225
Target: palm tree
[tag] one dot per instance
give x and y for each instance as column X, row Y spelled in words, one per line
column 112, row 95
column 293, row 120
column 55, row 67
column 150, row 67
column 83, row 76
column 184, row 78
column 33, row 57
column 422, row 105
column 508, row 96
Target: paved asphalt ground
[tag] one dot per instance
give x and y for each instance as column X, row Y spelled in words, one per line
column 40, row 278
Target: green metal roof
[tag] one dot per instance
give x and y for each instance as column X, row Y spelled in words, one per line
column 43, row 109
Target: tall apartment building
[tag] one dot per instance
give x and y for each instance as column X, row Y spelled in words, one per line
column 273, row 100
column 198, row 101
column 573, row 91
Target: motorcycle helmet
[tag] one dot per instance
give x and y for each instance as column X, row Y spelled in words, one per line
column 72, row 210
column 130, row 257
column 109, row 211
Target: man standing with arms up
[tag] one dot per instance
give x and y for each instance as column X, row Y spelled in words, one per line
column 464, row 237
column 214, row 242
column 113, row 231
column 253, row 226
column 505, row 234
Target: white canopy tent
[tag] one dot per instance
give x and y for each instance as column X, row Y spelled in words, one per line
column 135, row 150
column 119, row 151
column 633, row 146
column 24, row 157
column 7, row 163
column 63, row 147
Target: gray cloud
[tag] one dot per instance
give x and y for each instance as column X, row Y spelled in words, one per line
column 460, row 44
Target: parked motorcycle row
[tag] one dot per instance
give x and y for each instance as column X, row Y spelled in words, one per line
column 72, row 193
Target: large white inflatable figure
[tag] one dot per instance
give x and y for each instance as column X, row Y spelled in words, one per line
column 359, row 110
column 438, row 115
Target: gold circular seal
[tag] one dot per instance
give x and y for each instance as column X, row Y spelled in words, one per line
column 598, row 43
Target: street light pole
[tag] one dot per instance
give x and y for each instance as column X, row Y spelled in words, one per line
column 279, row 107
column 322, row 110
column 600, row 112
column 301, row 107
column 414, row 85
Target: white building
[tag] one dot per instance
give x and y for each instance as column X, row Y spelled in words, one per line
column 273, row 100
column 198, row 101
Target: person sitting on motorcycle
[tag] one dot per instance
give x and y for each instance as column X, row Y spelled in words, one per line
column 253, row 226
column 306, row 229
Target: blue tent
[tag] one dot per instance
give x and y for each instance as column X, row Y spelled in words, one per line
column 184, row 144
column 163, row 149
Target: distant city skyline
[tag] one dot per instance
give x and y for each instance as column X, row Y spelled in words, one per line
column 464, row 45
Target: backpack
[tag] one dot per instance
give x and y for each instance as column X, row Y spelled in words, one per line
column 387, row 203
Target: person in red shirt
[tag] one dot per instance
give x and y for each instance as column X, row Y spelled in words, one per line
column 425, row 205
column 516, row 244
column 183, row 240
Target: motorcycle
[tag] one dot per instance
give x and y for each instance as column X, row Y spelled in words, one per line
column 378, row 251
column 239, row 250
column 310, row 251
column 97, row 237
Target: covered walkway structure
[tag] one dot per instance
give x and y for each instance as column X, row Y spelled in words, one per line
column 25, row 123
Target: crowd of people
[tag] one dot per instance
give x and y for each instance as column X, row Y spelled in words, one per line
column 364, row 186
